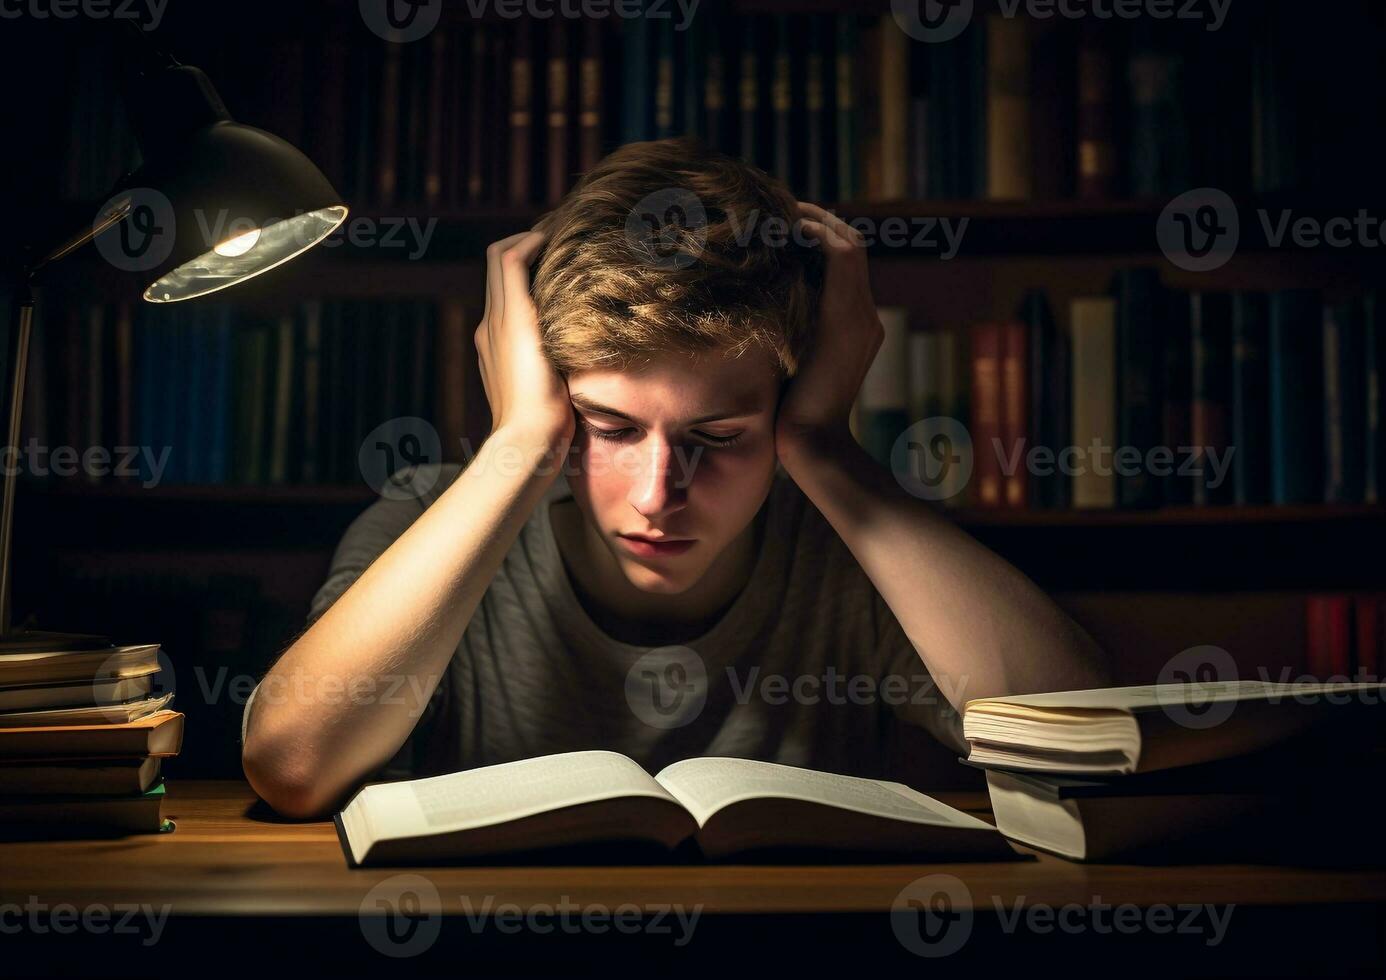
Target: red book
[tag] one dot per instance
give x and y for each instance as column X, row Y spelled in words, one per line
column 1316, row 636
column 986, row 413
column 1368, row 610
column 1328, row 621
column 1338, row 636
column 1015, row 415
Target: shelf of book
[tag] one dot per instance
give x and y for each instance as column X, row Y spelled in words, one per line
column 1297, row 547
column 333, row 494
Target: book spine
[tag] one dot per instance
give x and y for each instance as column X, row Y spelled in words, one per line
column 1015, row 399
column 453, row 350
column 870, row 149
column 1096, row 137
column 1251, row 464
column 884, row 402
column 1009, row 166
column 1296, row 397
column 521, row 112
column 692, row 65
column 1159, row 136
column 559, row 97
column 436, row 118
column 1049, row 397
column 1374, row 356
column 815, row 113
column 1140, row 299
column 1345, row 404
column 845, row 96
column 987, row 408
column 637, row 83
column 715, row 113
column 1053, row 110
column 475, row 188
column 1367, row 611
column 1211, row 323
column 781, row 101
column 664, row 103
column 894, row 111
column 748, row 93
column 919, row 122
column 1094, row 400
column 590, row 67
column 387, row 137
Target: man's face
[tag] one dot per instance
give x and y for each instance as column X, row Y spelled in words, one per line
column 683, row 448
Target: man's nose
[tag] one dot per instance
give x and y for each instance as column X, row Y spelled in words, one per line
column 657, row 489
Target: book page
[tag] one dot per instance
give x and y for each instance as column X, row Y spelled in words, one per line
column 500, row 793
column 1143, row 697
column 705, row 786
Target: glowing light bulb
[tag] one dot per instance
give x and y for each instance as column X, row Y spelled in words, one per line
column 239, row 245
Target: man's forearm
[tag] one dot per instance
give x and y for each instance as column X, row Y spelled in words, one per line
column 318, row 730
column 981, row 627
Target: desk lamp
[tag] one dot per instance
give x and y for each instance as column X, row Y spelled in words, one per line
column 199, row 168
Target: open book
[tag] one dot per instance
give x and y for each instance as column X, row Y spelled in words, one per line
column 725, row 806
column 1119, row 730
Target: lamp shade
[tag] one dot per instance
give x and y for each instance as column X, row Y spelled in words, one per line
column 225, row 201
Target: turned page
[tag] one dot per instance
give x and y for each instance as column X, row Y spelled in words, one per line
column 501, row 793
column 705, row 786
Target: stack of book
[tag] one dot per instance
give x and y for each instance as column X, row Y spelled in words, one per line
column 1235, row 770
column 84, row 729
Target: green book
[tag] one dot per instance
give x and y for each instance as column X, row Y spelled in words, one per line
column 71, row 816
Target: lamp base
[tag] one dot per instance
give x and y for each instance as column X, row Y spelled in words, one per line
column 43, row 641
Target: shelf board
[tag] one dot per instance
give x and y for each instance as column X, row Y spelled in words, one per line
column 356, row 493
column 1229, row 549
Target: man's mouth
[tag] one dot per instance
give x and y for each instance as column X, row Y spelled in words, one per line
column 655, row 547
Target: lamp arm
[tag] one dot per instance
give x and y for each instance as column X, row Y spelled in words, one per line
column 18, row 368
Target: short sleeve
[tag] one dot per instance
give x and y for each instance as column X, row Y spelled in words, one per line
column 365, row 540
column 912, row 694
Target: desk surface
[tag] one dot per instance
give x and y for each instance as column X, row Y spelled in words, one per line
column 231, row 856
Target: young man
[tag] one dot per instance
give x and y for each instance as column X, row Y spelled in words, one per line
column 669, row 545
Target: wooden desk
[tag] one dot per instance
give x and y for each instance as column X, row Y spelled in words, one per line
column 234, row 871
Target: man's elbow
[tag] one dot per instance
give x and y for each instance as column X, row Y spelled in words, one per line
column 287, row 781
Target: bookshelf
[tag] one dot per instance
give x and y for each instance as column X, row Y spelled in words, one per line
column 263, row 548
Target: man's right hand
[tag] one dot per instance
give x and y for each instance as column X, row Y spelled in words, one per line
column 527, row 395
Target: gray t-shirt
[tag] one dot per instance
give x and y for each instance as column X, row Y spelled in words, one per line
column 807, row 667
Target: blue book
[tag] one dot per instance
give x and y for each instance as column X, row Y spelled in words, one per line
column 1251, row 463
column 637, row 83
column 219, row 397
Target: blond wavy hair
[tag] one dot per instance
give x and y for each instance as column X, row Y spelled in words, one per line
column 612, row 293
